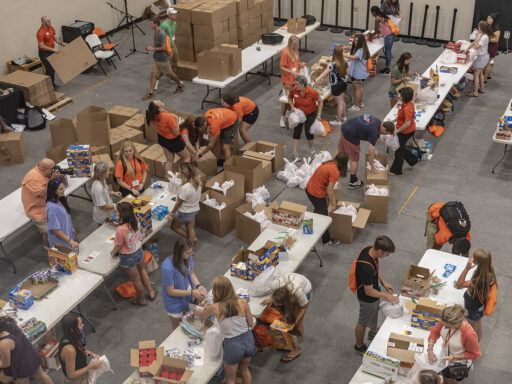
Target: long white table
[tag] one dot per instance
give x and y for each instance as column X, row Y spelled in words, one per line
column 433, row 260
column 508, row 111
column 425, row 112
column 252, row 57
column 12, row 208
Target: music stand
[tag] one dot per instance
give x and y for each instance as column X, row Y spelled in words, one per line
column 130, row 24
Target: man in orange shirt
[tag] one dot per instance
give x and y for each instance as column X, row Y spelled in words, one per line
column 33, row 194
column 46, row 44
column 221, row 125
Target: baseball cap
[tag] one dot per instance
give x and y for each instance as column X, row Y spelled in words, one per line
column 171, row 11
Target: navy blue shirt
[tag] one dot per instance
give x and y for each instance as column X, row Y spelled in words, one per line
column 365, row 127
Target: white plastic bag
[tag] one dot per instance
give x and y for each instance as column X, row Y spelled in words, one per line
column 390, row 141
column 448, row 57
column 174, row 181
column 261, row 284
column 317, row 128
column 259, row 195
column 377, row 191
column 377, row 165
column 223, row 187
column 349, row 210
column 393, row 311
column 214, row 203
column 95, row 374
column 422, row 363
column 427, row 96
column 296, row 117
column 304, row 71
column 213, row 343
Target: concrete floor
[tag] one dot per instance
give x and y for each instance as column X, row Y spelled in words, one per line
column 459, row 170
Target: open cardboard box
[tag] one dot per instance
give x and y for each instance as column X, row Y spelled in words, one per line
column 207, row 163
column 342, row 228
column 416, row 282
column 425, row 313
column 378, row 205
column 148, row 358
column 218, row 222
column 248, row 229
column 242, row 256
column 63, row 132
column 252, row 170
column 120, row 114
column 236, row 192
column 266, row 162
column 171, row 365
column 266, row 146
column 296, row 25
column 405, row 348
column 93, row 126
column 289, row 214
column 377, row 177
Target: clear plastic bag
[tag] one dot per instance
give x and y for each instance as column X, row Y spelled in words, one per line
column 317, row 128
column 296, row 117
column 421, row 364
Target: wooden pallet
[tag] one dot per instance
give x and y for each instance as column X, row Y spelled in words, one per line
column 61, row 102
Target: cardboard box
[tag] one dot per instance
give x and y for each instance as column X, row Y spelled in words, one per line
column 137, row 121
column 211, row 32
column 150, row 132
column 296, row 25
column 289, row 214
column 242, row 19
column 239, row 267
column 131, row 134
column 186, row 70
column 148, row 358
column 63, row 257
column 266, row 162
column 72, row 60
column 236, row 192
column 63, row 131
column 57, row 153
column 243, row 33
column 265, row 147
column 184, row 9
column 378, row 177
column 252, row 170
column 201, row 45
column 378, row 205
column 150, row 155
column 255, row 10
column 254, row 24
column 183, row 29
column 244, row 43
column 416, row 282
column 218, row 222
column 185, row 43
column 172, row 366
column 93, row 126
column 213, row 65
column 248, row 229
column 241, row 5
column 100, row 150
column 404, row 348
column 381, row 365
column 342, row 228
column 207, row 163
column 117, row 139
column 212, row 13
column 232, row 23
column 12, row 148
column 37, row 89
column 235, row 57
column 264, row 257
column 266, row 5
column 425, row 313
column 120, row 114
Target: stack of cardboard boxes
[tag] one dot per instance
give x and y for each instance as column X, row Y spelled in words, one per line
column 37, row 89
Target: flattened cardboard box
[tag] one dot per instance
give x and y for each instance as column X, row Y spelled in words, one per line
column 72, row 60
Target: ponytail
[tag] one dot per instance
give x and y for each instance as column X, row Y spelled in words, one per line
column 152, row 112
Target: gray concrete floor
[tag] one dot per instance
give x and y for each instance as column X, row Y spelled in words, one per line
column 459, row 170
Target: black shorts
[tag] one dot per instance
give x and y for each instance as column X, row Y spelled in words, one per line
column 227, row 134
column 172, row 145
column 338, row 88
column 251, row 117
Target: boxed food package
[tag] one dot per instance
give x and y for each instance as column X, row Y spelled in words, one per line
column 142, row 210
column 271, row 149
column 281, row 339
column 222, row 180
column 120, row 114
column 213, row 65
column 289, row 214
column 264, row 257
column 137, row 121
column 379, row 177
column 172, row 371
column 296, row 25
column 381, row 365
column 79, row 159
column 148, row 358
column 425, row 313
column 93, row 126
column 21, row 298
column 239, row 267
column 63, row 132
column 48, row 353
column 235, row 57
column 346, row 221
column 252, row 170
column 12, row 148
column 377, row 204
column 266, row 162
column 416, row 282
column 63, row 258
column 462, row 58
column 216, row 221
column 404, row 348
column 250, row 222
column 33, row 328
column 37, row 89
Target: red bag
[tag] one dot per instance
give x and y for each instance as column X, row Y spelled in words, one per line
column 126, row 290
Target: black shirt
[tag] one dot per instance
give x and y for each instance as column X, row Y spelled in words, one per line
column 365, row 127
column 80, row 358
column 367, row 274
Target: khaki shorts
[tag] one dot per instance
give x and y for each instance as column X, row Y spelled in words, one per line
column 41, row 225
column 173, row 60
column 161, row 68
column 431, row 229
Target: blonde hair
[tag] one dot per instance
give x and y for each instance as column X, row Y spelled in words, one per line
column 339, row 60
column 484, row 275
column 99, row 170
column 190, row 175
column 293, row 47
column 454, row 315
column 127, row 166
column 428, row 376
column 224, row 294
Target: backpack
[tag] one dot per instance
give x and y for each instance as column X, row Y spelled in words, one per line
column 352, row 281
column 35, row 119
column 456, row 218
column 395, row 30
column 168, row 45
column 492, row 299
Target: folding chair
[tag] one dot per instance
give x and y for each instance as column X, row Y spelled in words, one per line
column 96, row 45
column 109, row 45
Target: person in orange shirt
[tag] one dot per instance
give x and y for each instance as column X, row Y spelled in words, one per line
column 405, row 128
column 290, row 65
column 46, row 45
column 246, row 110
column 33, row 194
column 168, row 132
column 190, row 135
column 320, row 189
column 305, row 98
column 220, row 124
column 131, row 171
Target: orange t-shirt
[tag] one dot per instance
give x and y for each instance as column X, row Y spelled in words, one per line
column 243, row 107
column 166, row 123
column 219, row 119
column 324, row 174
column 406, row 112
column 306, row 103
column 46, row 36
column 33, row 194
column 139, row 166
column 287, row 62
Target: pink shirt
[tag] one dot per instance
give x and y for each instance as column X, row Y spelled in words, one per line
column 384, row 29
column 127, row 240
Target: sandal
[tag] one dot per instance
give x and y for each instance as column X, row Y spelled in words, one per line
column 152, row 298
column 138, row 303
column 148, row 96
column 480, row 91
column 287, row 358
column 472, row 94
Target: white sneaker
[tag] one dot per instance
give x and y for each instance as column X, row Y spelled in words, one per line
column 354, row 109
column 335, row 122
column 343, row 119
column 362, row 105
column 282, row 122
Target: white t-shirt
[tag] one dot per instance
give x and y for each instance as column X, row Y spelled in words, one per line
column 484, row 45
column 190, row 197
column 299, row 285
column 100, row 196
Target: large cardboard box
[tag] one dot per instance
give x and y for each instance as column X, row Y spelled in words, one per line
column 72, row 60
column 236, row 192
column 186, row 70
column 211, row 32
column 57, row 153
column 93, row 126
column 342, row 228
column 169, row 367
column 266, row 147
column 266, row 5
column 207, row 163
column 183, row 29
column 254, row 10
column 212, row 13
column 252, row 170
column 12, row 148
column 184, row 9
column 201, row 45
column 246, row 228
column 63, row 131
column 250, row 40
column 296, row 25
column 185, row 43
column 147, row 358
column 266, row 162
column 213, row 65
column 137, row 121
column 235, row 57
column 255, row 24
column 100, row 150
column 242, row 19
column 425, row 313
column 151, row 155
column 132, row 134
column 377, row 177
column 117, row 139
column 37, row 89
column 218, row 222
column 289, row 214
column 378, row 205
column 404, row 348
column 150, row 132
column 241, row 5
column 416, row 281
column 120, row 114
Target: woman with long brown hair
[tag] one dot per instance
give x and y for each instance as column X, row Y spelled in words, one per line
column 481, row 46
column 131, row 170
column 289, row 65
column 191, row 135
column 478, row 286
column 235, row 320
column 399, row 75
column 357, row 69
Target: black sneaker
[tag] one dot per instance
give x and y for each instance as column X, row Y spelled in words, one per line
column 385, row 71
column 360, row 350
column 355, row 184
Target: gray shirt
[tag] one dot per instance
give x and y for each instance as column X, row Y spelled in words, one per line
column 159, row 42
column 100, row 197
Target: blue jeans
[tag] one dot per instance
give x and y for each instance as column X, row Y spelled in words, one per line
column 388, row 47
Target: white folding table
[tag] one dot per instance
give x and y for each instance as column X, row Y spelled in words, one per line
column 506, row 142
column 433, row 260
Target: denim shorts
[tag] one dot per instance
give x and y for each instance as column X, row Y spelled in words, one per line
column 185, row 217
column 130, row 260
column 393, row 95
column 238, row 348
column 309, row 295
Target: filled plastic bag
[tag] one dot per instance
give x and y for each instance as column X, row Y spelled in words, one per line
column 174, row 181
column 213, row 343
column 259, row 196
column 421, row 364
column 349, row 210
column 390, row 141
column 95, row 374
column 448, row 57
column 261, row 284
column 224, row 186
column 296, row 117
column 317, row 128
column 213, row 203
column 376, row 164
column 393, row 311
column 260, row 217
column 377, row 191
column 427, row 96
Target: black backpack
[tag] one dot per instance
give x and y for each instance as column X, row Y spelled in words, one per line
column 456, row 218
column 35, row 119
column 271, row 38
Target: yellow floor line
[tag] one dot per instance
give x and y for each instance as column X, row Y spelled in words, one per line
column 408, row 200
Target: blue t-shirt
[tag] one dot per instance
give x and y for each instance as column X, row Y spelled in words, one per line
column 171, row 276
column 357, row 68
column 58, row 219
column 159, row 40
column 365, row 127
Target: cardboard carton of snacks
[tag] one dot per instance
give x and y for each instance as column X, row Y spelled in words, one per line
column 405, row 348
column 281, row 339
column 172, row 371
column 343, row 227
column 148, row 358
column 289, row 214
column 416, row 282
column 381, row 365
column 264, row 257
column 296, row 25
column 239, row 267
column 63, row 258
column 425, row 313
